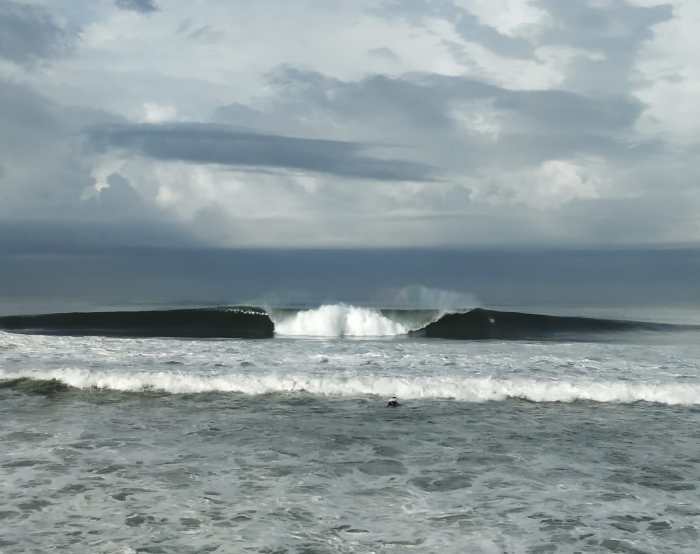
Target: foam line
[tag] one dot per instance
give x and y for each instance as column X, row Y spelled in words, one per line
column 469, row 389
column 338, row 320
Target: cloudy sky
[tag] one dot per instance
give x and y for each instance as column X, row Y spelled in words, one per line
column 350, row 123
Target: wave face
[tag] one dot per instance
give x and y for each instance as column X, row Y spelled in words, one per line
column 452, row 387
column 491, row 324
column 333, row 320
column 338, row 320
column 191, row 323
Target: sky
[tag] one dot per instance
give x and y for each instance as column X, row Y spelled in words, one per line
column 352, row 123
column 348, row 124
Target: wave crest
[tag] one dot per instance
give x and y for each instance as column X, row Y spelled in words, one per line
column 339, row 320
column 466, row 389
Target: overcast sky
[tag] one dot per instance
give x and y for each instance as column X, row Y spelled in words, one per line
column 350, row 123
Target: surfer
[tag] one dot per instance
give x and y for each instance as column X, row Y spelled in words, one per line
column 393, row 402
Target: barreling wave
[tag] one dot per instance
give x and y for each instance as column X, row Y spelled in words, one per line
column 465, row 389
column 481, row 323
column 231, row 322
column 338, row 320
column 333, row 320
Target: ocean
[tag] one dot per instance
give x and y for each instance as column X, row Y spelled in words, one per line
column 585, row 443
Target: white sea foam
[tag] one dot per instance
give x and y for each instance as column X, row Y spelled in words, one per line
column 469, row 389
column 338, row 320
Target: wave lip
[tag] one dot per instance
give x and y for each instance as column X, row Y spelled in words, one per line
column 237, row 322
column 339, row 320
column 331, row 320
column 457, row 388
column 481, row 323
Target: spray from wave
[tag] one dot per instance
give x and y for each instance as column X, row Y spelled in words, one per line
column 419, row 297
column 338, row 320
column 465, row 389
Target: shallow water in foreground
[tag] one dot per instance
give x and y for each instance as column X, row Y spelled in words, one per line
column 116, row 472
column 262, row 466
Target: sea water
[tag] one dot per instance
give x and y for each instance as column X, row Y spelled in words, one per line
column 285, row 445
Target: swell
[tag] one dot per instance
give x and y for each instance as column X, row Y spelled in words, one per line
column 341, row 320
column 334, row 320
column 452, row 387
column 30, row 385
column 238, row 322
column 479, row 324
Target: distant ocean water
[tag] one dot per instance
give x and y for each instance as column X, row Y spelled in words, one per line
column 285, row 444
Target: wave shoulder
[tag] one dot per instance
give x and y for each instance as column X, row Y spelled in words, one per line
column 225, row 322
column 482, row 323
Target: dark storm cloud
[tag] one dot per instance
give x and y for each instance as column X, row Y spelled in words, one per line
column 488, row 143
column 511, row 277
column 32, row 124
column 47, row 173
column 424, row 109
column 558, row 109
column 616, row 29
column 555, row 111
column 28, row 116
column 216, row 144
column 426, row 99
column 143, row 6
column 29, row 33
column 55, row 236
column 465, row 23
column 611, row 26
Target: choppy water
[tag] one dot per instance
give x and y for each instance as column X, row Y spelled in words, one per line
column 284, row 445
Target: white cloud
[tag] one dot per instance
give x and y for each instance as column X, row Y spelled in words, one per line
column 670, row 77
column 158, row 113
column 518, row 136
column 561, row 181
column 516, row 18
column 542, row 72
column 478, row 117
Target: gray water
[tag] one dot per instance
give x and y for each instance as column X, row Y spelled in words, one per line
column 123, row 472
column 285, row 445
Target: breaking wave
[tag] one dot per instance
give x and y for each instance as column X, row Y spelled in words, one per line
column 338, row 320
column 331, row 320
column 466, row 389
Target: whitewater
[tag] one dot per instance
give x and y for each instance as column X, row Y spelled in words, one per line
column 338, row 320
column 285, row 444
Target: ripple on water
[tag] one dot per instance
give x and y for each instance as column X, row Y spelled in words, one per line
column 450, row 519
column 16, row 464
column 550, row 524
column 382, row 467
column 386, row 451
column 482, row 459
column 297, row 472
column 72, row 489
column 543, row 549
column 653, row 477
column 441, row 482
column 34, row 505
column 139, row 519
column 25, row 436
column 624, row 547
